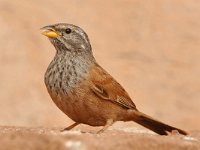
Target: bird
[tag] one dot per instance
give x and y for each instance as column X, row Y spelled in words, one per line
column 83, row 90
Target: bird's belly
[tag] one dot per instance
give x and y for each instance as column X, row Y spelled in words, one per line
column 93, row 112
column 78, row 110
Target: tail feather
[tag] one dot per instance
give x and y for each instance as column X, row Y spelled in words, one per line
column 155, row 125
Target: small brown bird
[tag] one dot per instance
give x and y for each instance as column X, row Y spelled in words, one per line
column 83, row 90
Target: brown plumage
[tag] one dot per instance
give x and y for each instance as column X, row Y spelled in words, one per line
column 83, row 90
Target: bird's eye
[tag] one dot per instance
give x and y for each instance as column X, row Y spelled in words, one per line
column 68, row 31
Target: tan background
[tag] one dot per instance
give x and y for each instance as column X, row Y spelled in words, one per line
column 151, row 47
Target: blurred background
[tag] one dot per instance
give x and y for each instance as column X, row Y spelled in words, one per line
column 151, row 47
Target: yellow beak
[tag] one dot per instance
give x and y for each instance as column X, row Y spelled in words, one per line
column 51, row 33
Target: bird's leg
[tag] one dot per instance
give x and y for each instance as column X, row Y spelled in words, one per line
column 108, row 124
column 70, row 127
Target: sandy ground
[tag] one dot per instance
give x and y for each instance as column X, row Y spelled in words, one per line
column 48, row 138
column 151, row 47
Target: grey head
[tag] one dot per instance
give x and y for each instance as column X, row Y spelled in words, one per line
column 68, row 38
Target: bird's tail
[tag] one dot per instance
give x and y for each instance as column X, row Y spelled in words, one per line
column 155, row 125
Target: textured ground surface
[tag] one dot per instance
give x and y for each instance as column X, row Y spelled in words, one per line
column 43, row 138
column 151, row 47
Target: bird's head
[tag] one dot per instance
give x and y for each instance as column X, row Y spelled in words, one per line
column 67, row 37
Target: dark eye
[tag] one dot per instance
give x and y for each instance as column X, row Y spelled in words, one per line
column 68, row 31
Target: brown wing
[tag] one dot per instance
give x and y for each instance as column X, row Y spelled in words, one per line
column 107, row 88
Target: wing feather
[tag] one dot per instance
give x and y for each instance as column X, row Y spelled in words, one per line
column 107, row 88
